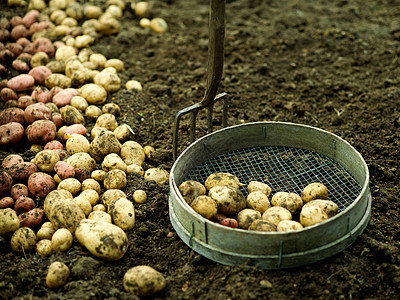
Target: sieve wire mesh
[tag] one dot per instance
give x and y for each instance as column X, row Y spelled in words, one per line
column 284, row 169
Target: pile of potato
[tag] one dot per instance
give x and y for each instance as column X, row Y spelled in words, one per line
column 284, row 211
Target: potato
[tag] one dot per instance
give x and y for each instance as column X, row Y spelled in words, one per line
column 79, row 103
column 132, row 153
column 77, row 143
column 36, row 148
column 23, row 240
column 134, row 169
column 24, row 204
column 112, row 194
column 115, row 63
column 9, row 221
column 158, row 175
column 91, row 184
column 11, row 133
column 228, row 198
column 288, row 225
column 71, row 115
column 133, row 85
column 247, row 216
column 94, row 94
column 109, row 81
column 101, row 239
column 65, row 214
column 122, row 213
column 115, row 179
column 83, row 41
column 21, row 82
column 6, row 202
column 259, row 186
column 290, row 201
column 56, row 79
column 143, row 281
column 91, row 195
column 11, row 160
column 83, row 160
column 191, row 189
column 139, row 196
column 262, row 225
column 107, row 121
column 25, row 101
column 113, row 161
column 98, row 175
column 8, row 94
column 72, row 129
column 328, row 206
column 64, row 97
column 229, row 222
column 258, row 200
column 41, row 131
column 93, row 112
column 221, row 179
column 12, row 114
column 37, row 111
column 57, row 275
column 43, row 247
column 108, row 25
column 314, row 191
column 158, row 25
column 142, row 9
column 312, row 215
column 148, row 151
column 205, row 206
column 46, row 231
column 104, row 143
column 54, row 196
column 61, row 240
column 45, row 160
column 100, row 207
column 64, row 170
column 40, row 72
column 52, row 145
column 97, row 130
column 276, row 214
column 64, row 52
column 100, row 216
column 71, row 184
column 22, row 170
column 40, row 184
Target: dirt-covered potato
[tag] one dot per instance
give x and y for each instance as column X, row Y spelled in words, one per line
column 57, row 275
column 228, row 198
column 70, row 184
column 132, row 153
column 79, row 103
column 122, row 132
column 64, row 170
column 84, row 204
column 6, row 182
column 113, row 161
column 43, row 247
column 258, row 200
column 98, row 175
column 291, row 201
column 115, row 179
column 262, row 225
column 46, row 231
column 112, row 194
column 104, row 143
column 99, row 215
column 148, row 151
column 11, row 133
column 54, row 196
column 40, row 184
column 222, row 178
column 83, row 160
column 91, row 195
column 312, row 215
column 93, row 112
column 107, row 121
column 23, row 240
column 56, row 79
column 259, row 186
column 288, row 225
column 139, row 196
column 328, row 206
column 61, row 240
column 158, row 175
column 275, row 214
column 117, row 64
column 70, row 115
column 77, row 143
column 94, row 94
column 191, row 189
column 205, row 206
column 247, row 216
column 101, row 239
column 9, row 221
column 134, row 169
column 110, row 81
column 315, row 190
column 6, row 202
column 143, row 281
column 45, row 160
column 65, row 214
column 22, row 171
column 122, row 212
column 32, row 218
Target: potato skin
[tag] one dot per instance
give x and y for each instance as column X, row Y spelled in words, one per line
column 40, row 184
column 11, row 160
column 262, row 225
column 11, row 133
column 22, row 171
column 41, row 131
column 32, row 218
column 12, row 114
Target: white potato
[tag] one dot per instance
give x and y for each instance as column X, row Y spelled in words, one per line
column 84, row 204
column 46, row 231
column 113, row 161
column 122, row 213
column 315, row 190
column 143, row 281
column 93, row 112
column 191, row 189
column 82, row 160
column 328, row 206
column 288, row 225
column 221, row 178
column 259, row 186
column 98, row 175
column 79, row 103
column 132, row 153
column 53, row 196
column 290, row 201
column 134, row 169
column 112, row 194
column 57, row 275
column 100, row 207
column 104, row 143
column 45, row 160
column 98, row 215
column 93, row 93
column 115, row 179
column 43, row 247
column 66, row 214
column 109, row 81
column 139, row 196
column 158, row 175
column 312, row 215
column 275, row 214
column 23, row 240
column 77, row 143
column 72, row 185
column 9, row 221
column 91, row 195
column 262, row 225
column 258, row 200
column 122, row 132
column 205, row 206
column 228, row 198
column 247, row 216
column 133, row 85
column 61, row 240
column 108, row 121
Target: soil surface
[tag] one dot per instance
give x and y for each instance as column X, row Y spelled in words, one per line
column 330, row 64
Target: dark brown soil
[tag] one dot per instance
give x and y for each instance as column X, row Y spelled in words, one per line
column 330, row 64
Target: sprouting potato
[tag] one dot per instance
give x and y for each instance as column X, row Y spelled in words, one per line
column 262, row 225
column 288, row 225
column 148, row 151
column 290, row 201
column 328, row 206
column 191, row 189
column 312, row 215
column 314, row 191
column 222, row 178
column 247, row 216
column 259, row 186
column 258, row 200
column 228, row 198
column 205, row 206
column 276, row 214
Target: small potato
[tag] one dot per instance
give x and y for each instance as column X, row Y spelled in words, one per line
column 9, row 221
column 115, row 63
column 93, row 93
column 191, row 189
column 70, row 184
column 6, row 202
column 64, row 97
column 158, row 25
column 45, row 232
column 70, row 115
column 276, row 214
column 328, row 206
column 112, row 194
column 40, row 184
column 108, row 25
column 290, row 201
column 247, row 216
column 100, row 207
column 107, row 121
column 100, row 216
column 221, row 179
column 314, row 191
column 104, row 143
column 205, row 206
column 228, row 198
column 133, row 85
column 91, row 195
column 79, row 103
column 45, row 160
column 111, row 82
column 122, row 213
column 98, row 175
column 24, row 204
column 134, row 169
column 97, row 130
column 262, row 225
column 288, row 225
column 83, row 160
column 43, row 247
column 93, row 112
column 77, row 143
column 23, row 240
column 115, row 179
column 258, row 200
column 122, row 132
column 64, row 52
column 91, row 184
column 160, row 176
column 139, row 196
column 143, row 281
column 148, row 151
column 132, row 153
column 84, row 204
column 259, row 186
column 72, row 129
column 61, row 240
column 229, row 222
column 82, row 174
column 312, row 215
column 113, row 161
column 57, row 275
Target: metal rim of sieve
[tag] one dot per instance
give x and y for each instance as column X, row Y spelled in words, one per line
column 286, row 156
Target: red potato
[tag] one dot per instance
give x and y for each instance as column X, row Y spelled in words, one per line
column 3, row 70
column 23, row 42
column 4, row 23
column 26, row 57
column 52, row 145
column 24, row 204
column 43, row 44
column 11, row 133
column 40, row 74
column 82, row 173
column 40, row 184
column 55, row 90
column 229, row 222
column 75, row 128
column 4, row 35
column 41, row 131
column 64, row 170
column 64, row 97
column 8, row 94
column 12, row 114
column 22, row 171
column 37, row 111
column 38, row 26
column 6, row 183
column 6, row 202
column 62, row 153
column 21, row 82
column 57, row 119
column 30, row 18
column 6, row 56
column 41, row 94
column 11, row 160
column 20, row 65
column 15, row 21
column 25, row 101
column 19, row 189
column 19, row 31
column 32, row 218
column 15, row 48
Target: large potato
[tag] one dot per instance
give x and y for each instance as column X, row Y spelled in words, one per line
column 132, row 153
column 9, row 221
column 228, row 198
column 143, row 281
column 122, row 212
column 276, row 214
column 54, row 196
column 101, row 239
column 158, row 175
column 221, row 178
column 315, row 190
column 40, row 184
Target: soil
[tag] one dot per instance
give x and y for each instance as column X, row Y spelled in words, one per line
column 330, row 64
